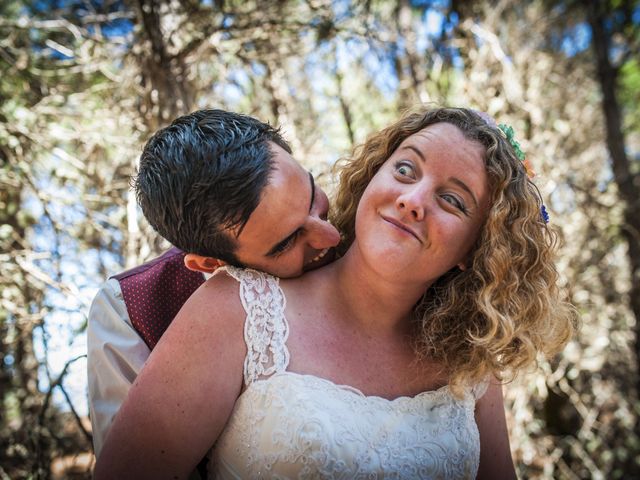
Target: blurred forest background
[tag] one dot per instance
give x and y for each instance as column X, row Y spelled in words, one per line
column 85, row 83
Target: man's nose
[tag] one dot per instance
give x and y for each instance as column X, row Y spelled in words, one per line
column 322, row 234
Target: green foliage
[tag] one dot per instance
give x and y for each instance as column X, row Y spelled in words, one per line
column 629, row 93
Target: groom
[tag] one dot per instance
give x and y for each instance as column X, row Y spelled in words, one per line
column 233, row 180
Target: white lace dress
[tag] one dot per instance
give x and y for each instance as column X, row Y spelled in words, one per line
column 288, row 425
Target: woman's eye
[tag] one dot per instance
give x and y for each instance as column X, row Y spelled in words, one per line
column 455, row 201
column 404, row 169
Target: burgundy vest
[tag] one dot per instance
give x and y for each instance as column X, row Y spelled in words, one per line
column 155, row 291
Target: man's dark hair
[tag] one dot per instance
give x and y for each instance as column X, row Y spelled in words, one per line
column 203, row 175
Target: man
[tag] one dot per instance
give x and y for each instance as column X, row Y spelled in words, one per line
column 233, row 180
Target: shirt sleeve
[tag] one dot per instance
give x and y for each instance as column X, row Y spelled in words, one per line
column 115, row 356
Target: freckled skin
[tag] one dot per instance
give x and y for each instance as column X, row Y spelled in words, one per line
column 419, row 188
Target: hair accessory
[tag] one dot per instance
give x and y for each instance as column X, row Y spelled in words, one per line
column 545, row 214
column 510, row 134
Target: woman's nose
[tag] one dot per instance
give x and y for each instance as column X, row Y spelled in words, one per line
column 412, row 202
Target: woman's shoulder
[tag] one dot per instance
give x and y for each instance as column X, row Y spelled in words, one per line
column 223, row 288
column 243, row 275
column 213, row 312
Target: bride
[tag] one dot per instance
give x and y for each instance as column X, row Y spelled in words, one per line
column 384, row 364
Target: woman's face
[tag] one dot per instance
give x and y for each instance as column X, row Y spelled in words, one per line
column 423, row 210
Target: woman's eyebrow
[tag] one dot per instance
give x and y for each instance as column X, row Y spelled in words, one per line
column 417, row 152
column 464, row 186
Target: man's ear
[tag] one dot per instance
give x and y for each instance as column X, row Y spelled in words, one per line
column 198, row 263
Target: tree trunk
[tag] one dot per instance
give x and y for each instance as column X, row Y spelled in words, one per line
column 407, row 64
column 628, row 183
column 164, row 75
column 345, row 109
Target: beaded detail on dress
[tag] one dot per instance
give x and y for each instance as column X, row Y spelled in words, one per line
column 290, row 425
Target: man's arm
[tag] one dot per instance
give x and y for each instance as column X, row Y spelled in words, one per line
column 115, row 356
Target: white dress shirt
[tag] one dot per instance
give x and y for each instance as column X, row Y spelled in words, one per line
column 115, row 356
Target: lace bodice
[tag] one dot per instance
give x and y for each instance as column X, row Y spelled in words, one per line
column 289, row 425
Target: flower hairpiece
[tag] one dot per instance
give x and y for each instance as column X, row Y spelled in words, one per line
column 510, row 134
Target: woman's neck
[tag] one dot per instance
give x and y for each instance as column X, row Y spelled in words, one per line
column 379, row 305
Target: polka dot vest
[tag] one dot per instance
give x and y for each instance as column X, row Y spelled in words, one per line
column 155, row 291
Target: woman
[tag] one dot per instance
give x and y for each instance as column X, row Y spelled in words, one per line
column 385, row 363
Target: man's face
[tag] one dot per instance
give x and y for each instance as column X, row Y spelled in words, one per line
column 288, row 232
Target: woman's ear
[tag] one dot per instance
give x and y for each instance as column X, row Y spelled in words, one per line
column 198, row 263
column 463, row 265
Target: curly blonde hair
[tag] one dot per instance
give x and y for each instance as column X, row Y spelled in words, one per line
column 495, row 317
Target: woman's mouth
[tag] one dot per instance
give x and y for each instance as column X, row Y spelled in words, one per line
column 401, row 226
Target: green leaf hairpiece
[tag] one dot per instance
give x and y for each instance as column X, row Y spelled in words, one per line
column 510, row 134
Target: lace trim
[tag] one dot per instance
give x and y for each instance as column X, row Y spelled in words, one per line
column 265, row 329
column 439, row 395
column 302, row 426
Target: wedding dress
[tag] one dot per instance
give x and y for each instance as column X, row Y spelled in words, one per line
column 289, row 425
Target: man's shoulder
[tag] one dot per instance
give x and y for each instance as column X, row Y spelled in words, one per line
column 155, row 291
column 172, row 257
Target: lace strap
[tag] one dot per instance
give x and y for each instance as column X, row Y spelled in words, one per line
column 479, row 389
column 265, row 328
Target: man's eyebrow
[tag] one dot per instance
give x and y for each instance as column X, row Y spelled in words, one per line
column 281, row 243
column 313, row 191
column 464, row 186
